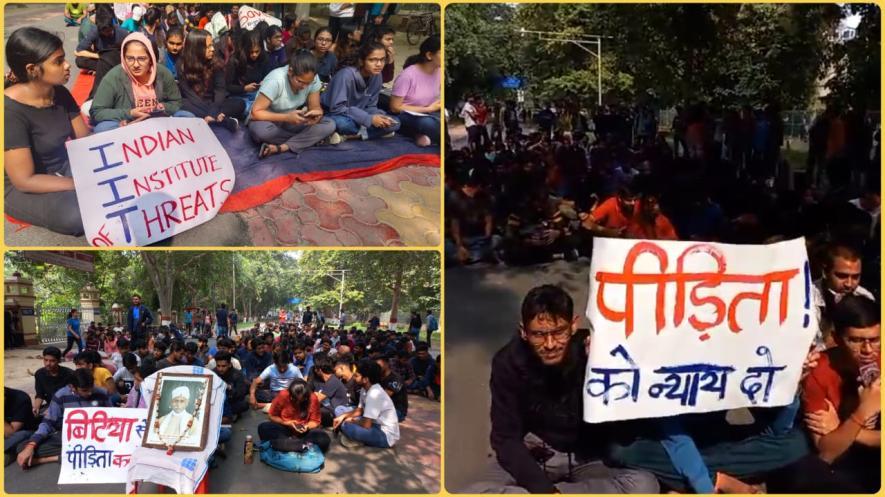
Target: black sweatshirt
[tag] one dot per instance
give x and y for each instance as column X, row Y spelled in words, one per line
column 528, row 397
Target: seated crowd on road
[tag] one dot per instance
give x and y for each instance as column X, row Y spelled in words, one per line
column 524, row 198
column 518, row 199
column 311, row 381
column 289, row 89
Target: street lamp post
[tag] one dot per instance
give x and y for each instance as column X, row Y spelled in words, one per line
column 584, row 42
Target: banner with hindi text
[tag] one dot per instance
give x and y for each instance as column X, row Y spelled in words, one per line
column 687, row 327
column 98, row 443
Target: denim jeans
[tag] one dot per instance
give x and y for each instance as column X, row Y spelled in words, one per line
column 109, row 125
column 420, row 125
column 373, row 437
column 222, row 331
column 343, row 410
column 347, row 126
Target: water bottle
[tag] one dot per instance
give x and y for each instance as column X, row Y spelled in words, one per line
column 248, row 450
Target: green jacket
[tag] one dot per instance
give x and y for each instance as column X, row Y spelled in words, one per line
column 113, row 99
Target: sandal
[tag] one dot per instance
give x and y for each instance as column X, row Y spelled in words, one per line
column 268, row 149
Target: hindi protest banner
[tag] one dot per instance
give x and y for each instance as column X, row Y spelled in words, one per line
column 97, row 443
column 251, row 17
column 145, row 182
column 686, row 327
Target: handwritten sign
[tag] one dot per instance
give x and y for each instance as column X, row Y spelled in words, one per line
column 681, row 327
column 98, row 443
column 145, row 182
column 251, row 17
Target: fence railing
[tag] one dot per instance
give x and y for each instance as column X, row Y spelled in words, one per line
column 52, row 323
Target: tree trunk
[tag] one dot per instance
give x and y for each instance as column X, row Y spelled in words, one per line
column 160, row 273
column 397, row 288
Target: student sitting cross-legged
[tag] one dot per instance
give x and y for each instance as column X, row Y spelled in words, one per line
column 280, row 121
column 374, row 422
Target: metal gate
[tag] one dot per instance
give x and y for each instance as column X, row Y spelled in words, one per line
column 52, row 323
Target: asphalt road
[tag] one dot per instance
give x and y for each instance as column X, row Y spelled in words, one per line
column 482, row 313
column 49, row 17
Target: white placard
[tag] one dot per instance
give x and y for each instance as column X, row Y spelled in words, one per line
column 145, row 182
column 98, row 443
column 251, row 17
column 682, row 327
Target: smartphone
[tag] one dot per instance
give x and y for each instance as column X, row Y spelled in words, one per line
column 158, row 113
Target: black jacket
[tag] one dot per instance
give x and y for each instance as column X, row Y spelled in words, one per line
column 239, row 387
column 528, row 397
column 145, row 319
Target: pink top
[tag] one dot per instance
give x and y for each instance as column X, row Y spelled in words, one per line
column 417, row 87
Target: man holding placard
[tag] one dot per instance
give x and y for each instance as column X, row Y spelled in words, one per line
column 541, row 443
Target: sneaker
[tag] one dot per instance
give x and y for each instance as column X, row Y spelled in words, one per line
column 334, row 139
column 363, row 133
column 347, row 442
column 423, row 141
column 389, row 135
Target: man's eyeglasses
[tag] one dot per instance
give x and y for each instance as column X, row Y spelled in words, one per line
column 140, row 60
column 559, row 334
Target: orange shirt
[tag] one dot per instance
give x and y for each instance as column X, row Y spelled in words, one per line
column 822, row 383
column 609, row 215
column 661, row 230
column 282, row 407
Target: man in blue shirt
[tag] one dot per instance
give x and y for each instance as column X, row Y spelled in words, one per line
column 138, row 319
column 432, row 325
column 45, row 444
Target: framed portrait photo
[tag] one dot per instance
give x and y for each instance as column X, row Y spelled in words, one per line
column 178, row 417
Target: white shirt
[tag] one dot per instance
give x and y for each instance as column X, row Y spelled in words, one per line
column 817, row 290
column 233, row 362
column 338, row 10
column 377, row 406
column 875, row 213
column 466, row 115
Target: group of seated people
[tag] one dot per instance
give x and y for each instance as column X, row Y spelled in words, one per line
column 306, row 378
column 288, row 102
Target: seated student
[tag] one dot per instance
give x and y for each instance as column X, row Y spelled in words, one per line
column 385, row 35
column 303, row 359
column 415, row 97
column 104, row 36
column 235, row 401
column 174, row 358
column 124, row 378
column 41, row 115
column 49, row 378
column 151, row 27
column 612, row 217
column 201, row 81
column 74, row 13
column 842, row 403
column 247, row 68
column 291, row 23
column 45, row 444
column 295, row 411
column 393, row 385
column 329, row 389
column 136, row 89
column 322, row 50
column 257, row 359
column 352, row 97
column 19, row 421
column 273, row 43
column 299, row 42
column 205, row 353
column 170, row 54
column 135, row 398
column 650, row 223
column 191, row 358
column 278, row 120
column 226, row 345
column 374, row 422
column 347, row 46
column 344, row 369
column 278, row 376
column 91, row 361
column 400, row 365
column 421, row 363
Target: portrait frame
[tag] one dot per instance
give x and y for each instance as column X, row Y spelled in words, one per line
column 198, row 408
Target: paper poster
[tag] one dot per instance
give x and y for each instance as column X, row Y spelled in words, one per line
column 686, row 327
column 145, row 182
column 251, row 17
column 98, row 442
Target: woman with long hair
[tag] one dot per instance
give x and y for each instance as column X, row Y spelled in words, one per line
column 41, row 115
column 322, row 50
column 136, row 89
column 295, row 412
column 352, row 97
column 416, row 94
column 347, row 45
column 273, row 43
column 842, row 401
column 201, row 81
column 247, row 68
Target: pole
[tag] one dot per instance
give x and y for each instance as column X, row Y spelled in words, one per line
column 599, row 70
column 233, row 267
column 341, row 297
